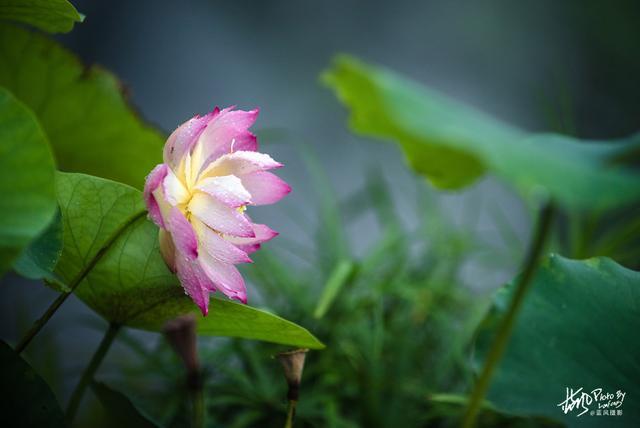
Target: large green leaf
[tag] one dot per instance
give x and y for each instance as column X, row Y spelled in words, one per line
column 39, row 259
column 26, row 400
column 578, row 328
column 54, row 16
column 83, row 111
column 453, row 144
column 112, row 251
column 27, row 201
column 94, row 213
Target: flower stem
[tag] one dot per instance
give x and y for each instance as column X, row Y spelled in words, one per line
column 90, row 371
column 198, row 409
column 506, row 326
column 291, row 413
column 40, row 322
column 195, row 384
column 37, row 326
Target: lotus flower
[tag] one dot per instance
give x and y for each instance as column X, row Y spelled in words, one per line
column 211, row 172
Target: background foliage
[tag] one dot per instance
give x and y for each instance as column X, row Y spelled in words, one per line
column 391, row 285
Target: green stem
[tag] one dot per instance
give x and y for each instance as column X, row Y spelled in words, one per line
column 291, row 413
column 197, row 405
column 90, row 371
column 506, row 326
column 40, row 322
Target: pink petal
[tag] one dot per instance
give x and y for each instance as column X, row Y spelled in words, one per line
column 183, row 235
column 225, row 276
column 240, row 163
column 220, row 217
column 227, row 188
column 195, row 282
column 246, row 142
column 238, row 119
column 243, row 142
column 163, row 205
column 229, row 128
column 249, row 245
column 265, row 188
column 216, row 246
column 182, row 139
column 154, row 179
column 167, row 249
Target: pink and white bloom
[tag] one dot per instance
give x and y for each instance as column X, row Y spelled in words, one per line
column 211, row 172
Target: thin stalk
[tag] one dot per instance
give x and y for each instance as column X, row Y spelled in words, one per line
column 506, row 326
column 291, row 413
column 180, row 332
column 198, row 410
column 40, row 322
column 197, row 399
column 293, row 364
column 90, row 371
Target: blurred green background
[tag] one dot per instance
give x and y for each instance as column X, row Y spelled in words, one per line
column 419, row 264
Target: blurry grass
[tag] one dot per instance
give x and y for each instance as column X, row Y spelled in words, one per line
column 397, row 321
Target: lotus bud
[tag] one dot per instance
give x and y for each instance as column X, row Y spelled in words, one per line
column 181, row 335
column 293, row 365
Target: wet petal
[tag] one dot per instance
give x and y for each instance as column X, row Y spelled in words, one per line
column 216, row 246
column 265, row 188
column 228, row 189
column 183, row 235
column 182, row 139
column 219, row 216
column 154, row 179
column 167, row 249
column 195, row 282
column 245, row 142
column 240, row 163
column 226, row 278
column 263, row 233
column 227, row 133
column 163, row 205
column 174, row 189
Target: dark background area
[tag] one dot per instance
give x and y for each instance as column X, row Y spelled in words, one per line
column 514, row 59
column 545, row 65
